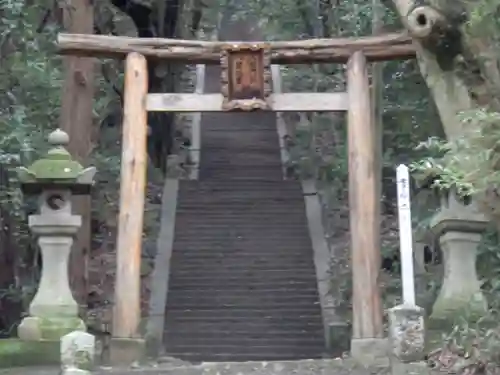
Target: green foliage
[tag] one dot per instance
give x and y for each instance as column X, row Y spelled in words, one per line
column 470, row 163
column 483, row 19
column 30, row 91
column 30, row 81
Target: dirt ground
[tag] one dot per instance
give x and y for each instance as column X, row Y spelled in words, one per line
column 304, row 367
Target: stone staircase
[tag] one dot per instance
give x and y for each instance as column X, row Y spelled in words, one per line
column 242, row 279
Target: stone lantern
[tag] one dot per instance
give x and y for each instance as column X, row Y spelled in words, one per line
column 54, row 179
column 458, row 226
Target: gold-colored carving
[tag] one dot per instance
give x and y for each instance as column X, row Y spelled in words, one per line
column 246, row 76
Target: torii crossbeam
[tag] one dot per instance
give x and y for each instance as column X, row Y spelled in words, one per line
column 393, row 46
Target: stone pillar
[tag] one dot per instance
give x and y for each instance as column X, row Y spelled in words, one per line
column 458, row 226
column 53, row 311
column 419, row 244
column 78, row 351
column 407, row 333
column 54, row 179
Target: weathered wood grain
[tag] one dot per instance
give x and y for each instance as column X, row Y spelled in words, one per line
column 391, row 46
column 287, row 102
column 127, row 308
column 363, row 204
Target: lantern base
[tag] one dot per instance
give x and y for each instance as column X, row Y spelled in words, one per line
column 34, row 328
column 15, row 352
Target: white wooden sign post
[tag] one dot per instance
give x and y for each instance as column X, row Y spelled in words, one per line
column 405, row 235
column 406, row 321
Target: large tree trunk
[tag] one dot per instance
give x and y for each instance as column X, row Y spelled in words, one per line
column 157, row 19
column 76, row 120
column 449, row 58
column 460, row 65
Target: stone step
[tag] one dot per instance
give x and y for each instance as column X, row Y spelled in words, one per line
column 247, row 222
column 261, row 296
column 250, row 146
column 238, row 206
column 236, row 173
column 283, row 271
column 257, row 326
column 243, row 226
column 248, row 303
column 226, row 265
column 242, row 281
column 242, row 213
column 235, row 152
column 208, row 330
column 239, row 289
column 242, row 158
column 235, row 277
column 249, row 283
column 261, row 124
column 242, row 341
column 193, row 257
column 235, row 137
column 194, row 254
column 252, row 303
column 199, row 186
column 241, row 245
column 244, row 233
column 221, row 200
column 302, row 285
column 175, row 318
column 236, row 352
column 240, row 235
column 243, row 357
column 234, row 196
column 306, row 312
column 271, row 168
column 260, row 152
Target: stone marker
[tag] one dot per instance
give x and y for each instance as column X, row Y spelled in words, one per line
column 406, row 321
column 77, row 352
column 407, row 332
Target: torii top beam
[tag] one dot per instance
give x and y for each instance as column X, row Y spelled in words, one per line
column 393, row 46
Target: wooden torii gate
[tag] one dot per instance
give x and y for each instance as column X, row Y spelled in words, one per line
column 246, row 86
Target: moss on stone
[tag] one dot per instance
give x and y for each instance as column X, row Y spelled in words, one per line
column 447, row 312
column 54, row 329
column 35, row 328
column 19, row 353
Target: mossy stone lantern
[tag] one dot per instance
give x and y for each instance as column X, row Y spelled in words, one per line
column 458, row 226
column 54, row 179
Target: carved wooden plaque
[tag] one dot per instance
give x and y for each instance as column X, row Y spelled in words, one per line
column 246, row 76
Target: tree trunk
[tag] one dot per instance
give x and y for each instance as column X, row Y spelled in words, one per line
column 76, row 120
column 448, row 58
column 10, row 305
column 161, row 21
column 461, row 69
